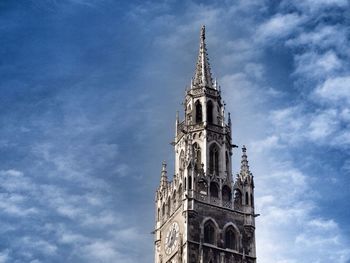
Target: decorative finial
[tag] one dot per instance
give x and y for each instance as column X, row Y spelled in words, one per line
column 203, row 32
column 164, row 166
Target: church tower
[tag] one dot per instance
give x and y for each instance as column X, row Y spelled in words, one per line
column 202, row 214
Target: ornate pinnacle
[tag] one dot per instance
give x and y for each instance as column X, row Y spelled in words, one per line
column 202, row 76
column 244, row 163
column 164, row 177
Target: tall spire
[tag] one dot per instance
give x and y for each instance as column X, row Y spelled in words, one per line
column 202, row 75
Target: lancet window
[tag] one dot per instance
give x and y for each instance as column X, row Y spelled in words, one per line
column 214, row 159
column 209, row 112
column 199, row 115
column 230, row 238
column 209, row 232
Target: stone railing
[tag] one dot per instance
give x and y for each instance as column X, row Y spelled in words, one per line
column 202, row 197
column 215, row 128
column 196, row 126
column 211, row 92
column 227, row 204
column 197, row 91
column 214, row 200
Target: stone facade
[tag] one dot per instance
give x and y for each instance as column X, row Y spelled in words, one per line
column 202, row 214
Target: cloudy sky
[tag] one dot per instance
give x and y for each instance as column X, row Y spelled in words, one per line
column 89, row 91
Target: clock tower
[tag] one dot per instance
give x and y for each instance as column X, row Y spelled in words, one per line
column 203, row 215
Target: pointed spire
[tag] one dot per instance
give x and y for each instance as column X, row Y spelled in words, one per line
column 229, row 120
column 202, row 75
column 244, row 163
column 164, row 177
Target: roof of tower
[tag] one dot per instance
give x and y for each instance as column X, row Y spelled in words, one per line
column 202, row 75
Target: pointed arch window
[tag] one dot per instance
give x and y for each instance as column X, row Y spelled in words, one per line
column 197, row 156
column 214, row 159
column 230, row 238
column 210, row 112
column 238, row 198
column 226, row 194
column 203, row 187
column 246, row 198
column 214, row 190
column 209, row 232
column 199, row 116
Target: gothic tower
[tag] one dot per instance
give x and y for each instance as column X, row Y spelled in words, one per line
column 202, row 214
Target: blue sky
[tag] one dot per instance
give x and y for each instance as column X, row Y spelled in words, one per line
column 89, row 91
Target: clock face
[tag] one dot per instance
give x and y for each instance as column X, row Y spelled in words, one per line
column 172, row 238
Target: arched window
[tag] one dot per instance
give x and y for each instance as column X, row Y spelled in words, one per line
column 238, row 198
column 199, row 117
column 230, row 238
column 209, row 232
column 209, row 112
column 158, row 214
column 197, row 155
column 169, row 207
column 214, row 190
column 226, row 194
column 214, row 159
column 246, row 198
column 190, row 182
column 203, row 187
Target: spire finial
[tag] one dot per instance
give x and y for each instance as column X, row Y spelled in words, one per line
column 163, row 166
column 203, row 33
column 202, row 75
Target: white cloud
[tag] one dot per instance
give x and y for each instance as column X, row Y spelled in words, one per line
column 269, row 143
column 4, row 256
column 323, row 36
column 335, row 89
column 323, row 224
column 314, row 65
column 279, row 26
column 317, row 5
column 322, row 125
